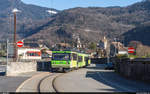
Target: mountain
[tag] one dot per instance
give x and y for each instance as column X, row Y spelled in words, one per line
column 92, row 23
column 89, row 23
column 141, row 34
column 27, row 10
column 30, row 17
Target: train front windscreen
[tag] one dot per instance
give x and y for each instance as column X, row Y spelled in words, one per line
column 61, row 56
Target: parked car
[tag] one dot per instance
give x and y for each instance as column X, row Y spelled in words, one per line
column 109, row 66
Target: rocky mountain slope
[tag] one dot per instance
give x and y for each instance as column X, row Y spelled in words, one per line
column 30, row 17
column 93, row 23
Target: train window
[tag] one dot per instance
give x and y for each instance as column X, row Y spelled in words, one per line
column 79, row 58
column 74, row 56
column 61, row 56
column 36, row 54
column 30, row 54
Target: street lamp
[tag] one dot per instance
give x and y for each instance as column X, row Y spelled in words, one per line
column 15, row 10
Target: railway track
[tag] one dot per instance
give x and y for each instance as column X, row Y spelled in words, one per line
column 43, row 85
column 43, row 82
column 47, row 84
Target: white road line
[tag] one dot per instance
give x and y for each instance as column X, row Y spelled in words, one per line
column 114, row 84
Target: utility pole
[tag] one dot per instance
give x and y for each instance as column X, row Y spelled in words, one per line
column 7, row 56
column 7, row 50
column 15, row 27
column 15, row 47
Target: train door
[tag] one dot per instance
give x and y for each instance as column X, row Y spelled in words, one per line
column 74, row 60
column 80, row 60
column 86, row 61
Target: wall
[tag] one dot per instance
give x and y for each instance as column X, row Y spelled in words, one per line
column 15, row 68
column 135, row 69
column 101, row 60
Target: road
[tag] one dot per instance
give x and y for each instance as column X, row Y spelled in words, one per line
column 96, row 79
column 10, row 84
column 91, row 79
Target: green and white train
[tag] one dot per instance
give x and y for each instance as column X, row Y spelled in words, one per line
column 68, row 60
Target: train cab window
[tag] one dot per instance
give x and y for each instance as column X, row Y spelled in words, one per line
column 74, row 56
column 79, row 58
column 61, row 56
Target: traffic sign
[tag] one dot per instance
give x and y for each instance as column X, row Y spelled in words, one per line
column 19, row 43
column 131, row 50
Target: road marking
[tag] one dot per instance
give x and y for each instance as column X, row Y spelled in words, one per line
column 19, row 88
column 119, row 86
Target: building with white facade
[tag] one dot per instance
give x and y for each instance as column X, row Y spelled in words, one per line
column 29, row 53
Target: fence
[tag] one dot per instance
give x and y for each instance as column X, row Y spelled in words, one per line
column 138, row 69
column 101, row 60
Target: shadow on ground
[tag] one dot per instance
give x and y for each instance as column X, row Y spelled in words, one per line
column 94, row 75
column 112, row 79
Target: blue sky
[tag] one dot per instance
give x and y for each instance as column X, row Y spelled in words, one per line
column 65, row 4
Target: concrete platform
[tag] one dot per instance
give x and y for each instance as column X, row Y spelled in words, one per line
column 96, row 79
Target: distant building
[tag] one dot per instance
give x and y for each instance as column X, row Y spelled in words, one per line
column 32, row 51
column 47, row 54
column 105, row 43
column 122, row 52
column 101, row 44
column 117, row 48
column 79, row 45
column 66, row 45
column 29, row 53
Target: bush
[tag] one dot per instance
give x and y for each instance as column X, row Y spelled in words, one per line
column 132, row 56
column 2, row 53
column 122, row 56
